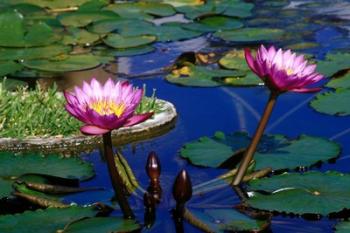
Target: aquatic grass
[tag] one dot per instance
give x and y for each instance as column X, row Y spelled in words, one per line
column 38, row 112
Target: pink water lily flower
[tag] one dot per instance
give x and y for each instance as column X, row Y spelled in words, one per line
column 282, row 70
column 105, row 107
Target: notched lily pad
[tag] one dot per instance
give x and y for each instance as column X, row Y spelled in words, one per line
column 123, row 42
column 333, row 102
column 333, row 63
column 213, row 24
column 274, row 151
column 251, row 35
column 342, row 81
column 308, row 193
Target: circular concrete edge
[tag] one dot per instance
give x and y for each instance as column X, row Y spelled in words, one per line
column 158, row 125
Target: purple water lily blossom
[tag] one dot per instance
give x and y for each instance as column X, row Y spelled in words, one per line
column 105, row 107
column 282, row 70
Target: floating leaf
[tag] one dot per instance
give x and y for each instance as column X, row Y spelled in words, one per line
column 5, row 188
column 340, row 82
column 249, row 80
column 333, row 102
column 9, row 67
column 214, row 23
column 123, row 52
column 142, row 9
column 79, row 36
column 102, row 225
column 255, row 35
column 50, row 4
column 14, row 33
column 12, row 166
column 342, row 227
column 123, row 42
column 308, row 193
column 303, row 45
column 227, row 220
column 43, row 221
column 234, row 60
column 21, row 54
column 84, row 18
column 275, row 151
column 69, row 63
column 199, row 76
column 110, row 25
column 333, row 63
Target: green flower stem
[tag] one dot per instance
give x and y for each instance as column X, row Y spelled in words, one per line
column 116, row 180
column 248, row 155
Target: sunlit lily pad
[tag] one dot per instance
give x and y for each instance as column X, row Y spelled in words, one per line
column 333, row 63
column 43, row 221
column 123, row 52
column 110, row 25
column 22, row 54
column 102, row 225
column 50, row 4
column 199, row 76
column 342, row 227
column 275, row 151
column 340, row 82
column 248, row 80
column 309, row 193
column 142, row 9
column 177, row 3
column 123, row 42
column 64, row 64
column 84, row 18
column 251, row 35
column 9, row 67
column 76, row 36
column 214, row 23
column 234, row 60
column 14, row 33
column 333, row 102
column 228, row 220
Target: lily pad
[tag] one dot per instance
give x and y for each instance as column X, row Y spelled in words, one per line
column 308, row 193
column 234, row 60
column 123, row 42
column 274, row 151
column 255, row 35
column 79, row 36
column 13, row 166
column 102, row 225
column 110, row 25
column 14, row 33
column 64, row 64
column 21, row 54
column 5, row 188
column 342, row 227
column 43, row 221
column 340, row 82
column 333, row 63
column 9, row 67
column 333, row 102
column 124, row 52
column 142, row 9
column 50, row 4
column 228, row 220
column 199, row 76
column 84, row 18
column 248, row 80
column 213, row 24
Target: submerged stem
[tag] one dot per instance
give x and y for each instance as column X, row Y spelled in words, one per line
column 248, row 156
column 116, row 180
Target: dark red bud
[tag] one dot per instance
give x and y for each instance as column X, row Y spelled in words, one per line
column 153, row 167
column 182, row 188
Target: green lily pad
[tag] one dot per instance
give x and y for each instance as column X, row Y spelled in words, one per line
column 5, row 188
column 234, row 60
column 228, row 220
column 123, row 42
column 142, row 9
column 302, row 45
column 199, row 76
column 214, row 23
column 110, row 25
column 43, row 221
column 308, row 193
column 164, row 33
column 233, row 8
column 64, row 64
column 342, row 227
column 255, row 35
column 333, row 102
column 50, row 4
column 84, row 18
column 275, row 151
column 21, row 54
column 12, row 166
column 333, row 63
column 178, row 3
column 14, row 33
column 340, row 82
column 124, row 52
column 9, row 67
column 248, row 80
column 79, row 36
column 102, row 225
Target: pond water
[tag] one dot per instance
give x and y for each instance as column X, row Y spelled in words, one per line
column 203, row 111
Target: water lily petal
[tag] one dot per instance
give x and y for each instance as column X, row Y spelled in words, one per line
column 93, row 130
column 138, row 119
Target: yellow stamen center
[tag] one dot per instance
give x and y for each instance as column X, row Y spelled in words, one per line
column 289, row 71
column 107, row 107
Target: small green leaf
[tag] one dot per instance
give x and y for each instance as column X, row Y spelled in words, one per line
column 333, row 63
column 255, row 35
column 333, row 102
column 340, row 82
